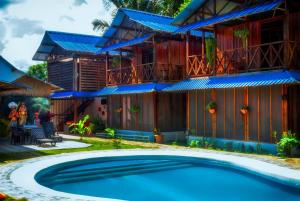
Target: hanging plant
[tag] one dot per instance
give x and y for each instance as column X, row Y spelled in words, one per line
column 212, row 107
column 210, row 47
column 243, row 35
column 245, row 109
column 135, row 109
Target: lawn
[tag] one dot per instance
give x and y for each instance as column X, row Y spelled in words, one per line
column 96, row 144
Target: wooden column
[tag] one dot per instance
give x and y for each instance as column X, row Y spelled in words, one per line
column 258, row 116
column 155, row 109
column 187, row 52
column 196, row 104
column 284, row 108
column 188, row 111
column 75, row 110
column 154, row 60
column 106, row 67
column 246, row 117
column 121, row 81
column 214, row 116
column 271, row 122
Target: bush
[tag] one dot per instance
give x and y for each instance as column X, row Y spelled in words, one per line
column 99, row 125
column 287, row 143
column 4, row 128
column 194, row 143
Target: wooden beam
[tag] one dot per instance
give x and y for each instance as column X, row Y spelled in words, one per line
column 187, row 51
column 196, row 109
column 258, row 115
column 188, row 111
column 155, row 109
column 271, row 122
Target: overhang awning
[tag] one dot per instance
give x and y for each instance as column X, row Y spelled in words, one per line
column 263, row 7
column 71, row 95
column 134, row 41
column 255, row 79
column 132, row 89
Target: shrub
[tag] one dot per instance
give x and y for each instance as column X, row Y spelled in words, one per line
column 80, row 127
column 4, row 128
column 99, row 125
column 286, row 144
column 229, row 146
column 194, row 143
column 116, row 140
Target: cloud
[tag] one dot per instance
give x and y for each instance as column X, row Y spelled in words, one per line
column 2, row 36
column 67, row 18
column 5, row 3
column 22, row 64
column 79, row 2
column 22, row 27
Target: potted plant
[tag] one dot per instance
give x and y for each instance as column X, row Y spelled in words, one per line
column 245, row 109
column 118, row 110
column 157, row 135
column 211, row 107
column 135, row 109
column 80, row 128
column 243, row 35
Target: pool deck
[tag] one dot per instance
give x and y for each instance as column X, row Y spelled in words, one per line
column 17, row 179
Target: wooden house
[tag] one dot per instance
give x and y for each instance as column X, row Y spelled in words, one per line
column 252, row 62
column 150, row 58
column 75, row 66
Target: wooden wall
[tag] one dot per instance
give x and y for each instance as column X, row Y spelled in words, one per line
column 61, row 74
column 265, row 116
column 91, row 74
column 170, row 112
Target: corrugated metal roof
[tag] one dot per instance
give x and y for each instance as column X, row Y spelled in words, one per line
column 125, row 43
column 263, row 7
column 188, row 11
column 69, row 42
column 133, row 89
column 71, row 94
column 9, row 73
column 264, row 78
column 152, row 21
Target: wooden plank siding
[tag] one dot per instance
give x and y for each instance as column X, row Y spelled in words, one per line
column 61, row 74
column 265, row 110
column 91, row 74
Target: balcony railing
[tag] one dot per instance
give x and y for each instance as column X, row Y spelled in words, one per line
column 276, row 55
column 145, row 73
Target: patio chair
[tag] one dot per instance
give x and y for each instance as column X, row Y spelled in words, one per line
column 17, row 135
column 51, row 132
column 40, row 138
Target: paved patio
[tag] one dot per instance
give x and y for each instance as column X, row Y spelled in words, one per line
column 67, row 143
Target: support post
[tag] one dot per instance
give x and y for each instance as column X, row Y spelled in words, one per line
column 155, row 109
column 75, row 110
column 187, row 52
column 106, row 68
column 154, row 60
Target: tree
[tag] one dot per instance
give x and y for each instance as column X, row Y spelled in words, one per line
column 38, row 71
column 163, row 7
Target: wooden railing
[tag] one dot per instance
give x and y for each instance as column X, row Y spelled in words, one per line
column 275, row 55
column 145, row 73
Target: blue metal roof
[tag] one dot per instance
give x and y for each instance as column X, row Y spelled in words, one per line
column 125, row 43
column 265, row 78
column 263, row 7
column 132, row 89
column 69, row 42
column 188, row 11
column 9, row 73
column 152, row 21
column 71, row 94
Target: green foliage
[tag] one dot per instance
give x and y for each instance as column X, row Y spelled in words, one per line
column 211, row 105
column 210, row 47
column 9, row 198
column 194, row 143
column 80, row 127
column 4, row 128
column 243, row 35
column 174, row 143
column 229, row 146
column 164, row 7
column 38, row 71
column 117, row 141
column 135, row 109
column 182, row 7
column 99, row 125
column 111, row 132
column 286, row 144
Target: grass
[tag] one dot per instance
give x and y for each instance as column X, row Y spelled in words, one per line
column 96, row 144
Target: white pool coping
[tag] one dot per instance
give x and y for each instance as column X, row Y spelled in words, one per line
column 18, row 179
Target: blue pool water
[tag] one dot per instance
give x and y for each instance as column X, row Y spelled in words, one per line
column 163, row 178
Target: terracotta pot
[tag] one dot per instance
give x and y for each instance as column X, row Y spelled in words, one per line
column 2, row 196
column 158, row 138
column 244, row 111
column 212, row 110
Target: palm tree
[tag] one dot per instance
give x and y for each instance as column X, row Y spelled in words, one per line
column 164, row 7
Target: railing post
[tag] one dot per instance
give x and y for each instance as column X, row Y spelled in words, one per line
column 106, row 68
column 154, row 60
column 187, row 52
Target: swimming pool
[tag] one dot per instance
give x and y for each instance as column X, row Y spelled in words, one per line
column 163, row 177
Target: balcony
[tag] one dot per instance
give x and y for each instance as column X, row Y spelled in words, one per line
column 143, row 73
column 276, row 55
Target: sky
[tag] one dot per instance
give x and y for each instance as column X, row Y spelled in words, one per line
column 23, row 23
